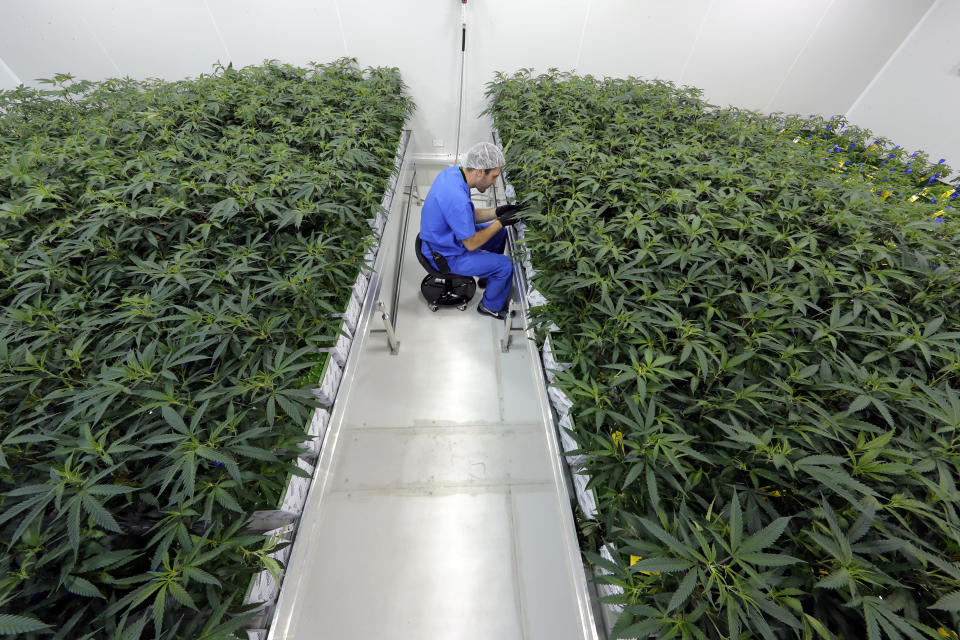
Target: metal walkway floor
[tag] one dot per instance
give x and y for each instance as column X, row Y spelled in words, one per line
column 435, row 512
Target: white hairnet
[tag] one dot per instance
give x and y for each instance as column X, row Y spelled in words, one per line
column 484, row 155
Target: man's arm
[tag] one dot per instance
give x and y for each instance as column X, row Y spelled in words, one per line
column 481, row 237
column 486, row 215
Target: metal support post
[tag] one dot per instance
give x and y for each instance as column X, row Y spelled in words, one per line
column 388, row 326
column 506, row 337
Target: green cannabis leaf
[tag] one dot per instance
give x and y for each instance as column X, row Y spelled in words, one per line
column 758, row 315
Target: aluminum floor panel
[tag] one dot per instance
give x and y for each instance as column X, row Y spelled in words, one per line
column 438, row 518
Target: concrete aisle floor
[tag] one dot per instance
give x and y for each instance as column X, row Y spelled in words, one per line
column 439, row 519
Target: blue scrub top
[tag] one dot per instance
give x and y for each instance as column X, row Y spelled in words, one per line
column 448, row 215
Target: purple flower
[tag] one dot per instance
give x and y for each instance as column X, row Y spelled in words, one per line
column 890, row 156
column 909, row 170
column 939, row 219
column 942, row 160
column 897, row 147
column 218, row 464
column 916, row 153
column 934, row 201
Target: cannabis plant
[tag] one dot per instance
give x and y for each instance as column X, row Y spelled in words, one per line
column 172, row 257
column 761, row 338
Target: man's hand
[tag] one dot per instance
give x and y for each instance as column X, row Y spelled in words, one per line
column 507, row 214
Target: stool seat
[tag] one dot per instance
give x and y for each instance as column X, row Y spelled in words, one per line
column 443, row 289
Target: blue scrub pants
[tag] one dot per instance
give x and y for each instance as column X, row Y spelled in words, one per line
column 487, row 262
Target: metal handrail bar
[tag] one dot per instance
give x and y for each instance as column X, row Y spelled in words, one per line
column 402, row 247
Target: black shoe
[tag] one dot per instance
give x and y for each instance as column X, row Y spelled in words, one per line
column 482, row 310
column 482, row 283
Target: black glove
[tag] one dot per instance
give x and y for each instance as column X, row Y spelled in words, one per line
column 507, row 214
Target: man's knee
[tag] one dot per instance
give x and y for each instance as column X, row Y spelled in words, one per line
column 504, row 267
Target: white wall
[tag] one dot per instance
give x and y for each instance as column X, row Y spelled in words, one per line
column 796, row 56
column 915, row 97
column 803, row 56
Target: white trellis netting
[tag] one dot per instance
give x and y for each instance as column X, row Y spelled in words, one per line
column 295, row 496
column 352, row 313
column 326, row 393
column 316, row 431
column 550, row 364
column 378, row 222
column 351, row 316
column 341, row 349
column 560, row 401
column 568, row 443
column 609, row 589
column 264, row 588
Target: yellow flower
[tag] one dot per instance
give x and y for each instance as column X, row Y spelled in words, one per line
column 635, row 559
column 617, row 438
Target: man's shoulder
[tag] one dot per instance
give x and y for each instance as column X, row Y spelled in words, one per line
column 448, row 187
column 450, row 177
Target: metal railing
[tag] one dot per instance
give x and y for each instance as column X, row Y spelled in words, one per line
column 390, row 319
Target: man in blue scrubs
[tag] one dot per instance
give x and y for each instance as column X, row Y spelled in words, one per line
column 471, row 240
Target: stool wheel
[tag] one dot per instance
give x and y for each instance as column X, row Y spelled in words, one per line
column 434, row 308
column 462, row 307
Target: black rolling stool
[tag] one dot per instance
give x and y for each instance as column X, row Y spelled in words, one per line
column 441, row 288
